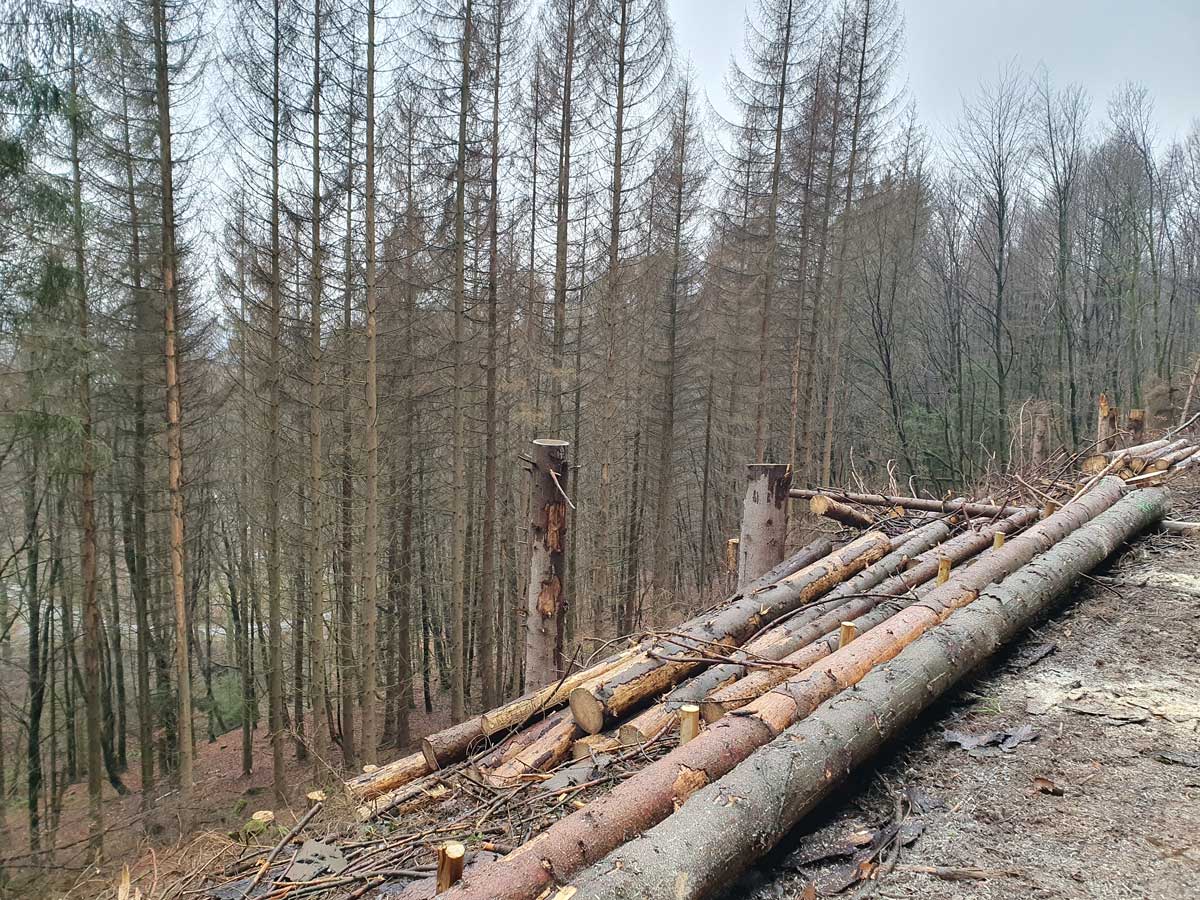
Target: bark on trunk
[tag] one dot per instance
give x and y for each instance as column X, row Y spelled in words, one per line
column 729, row 627
column 923, row 504
column 764, row 520
column 656, row 791
column 544, row 601
column 731, row 822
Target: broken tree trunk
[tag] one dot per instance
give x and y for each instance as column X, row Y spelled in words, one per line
column 671, row 658
column 729, row 823
column 1106, row 424
column 545, row 599
column 764, row 520
column 648, row 797
column 774, row 644
column 923, row 504
column 824, row 505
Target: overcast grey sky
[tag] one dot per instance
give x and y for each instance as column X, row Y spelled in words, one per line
column 951, row 45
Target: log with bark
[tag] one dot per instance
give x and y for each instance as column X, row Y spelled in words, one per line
column 550, row 747
column 648, row 797
column 671, row 658
column 452, row 744
column 824, row 505
column 773, row 644
column 923, row 504
column 724, row 827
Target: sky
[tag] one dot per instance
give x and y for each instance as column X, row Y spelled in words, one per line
column 953, row 45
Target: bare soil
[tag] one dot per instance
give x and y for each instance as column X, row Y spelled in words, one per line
column 1104, row 803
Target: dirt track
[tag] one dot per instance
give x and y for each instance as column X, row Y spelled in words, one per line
column 1111, row 684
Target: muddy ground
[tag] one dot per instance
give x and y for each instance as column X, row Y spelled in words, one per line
column 1103, row 803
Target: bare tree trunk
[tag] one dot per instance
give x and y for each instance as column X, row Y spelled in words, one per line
column 316, row 580
column 87, row 479
column 547, row 539
column 174, row 407
column 370, row 662
column 458, row 537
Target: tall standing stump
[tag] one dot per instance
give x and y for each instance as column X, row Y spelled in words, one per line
column 763, row 538
column 545, row 602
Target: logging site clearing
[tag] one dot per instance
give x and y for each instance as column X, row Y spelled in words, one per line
column 927, row 698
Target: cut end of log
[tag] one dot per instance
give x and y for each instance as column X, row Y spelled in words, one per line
column 587, row 711
column 315, row 797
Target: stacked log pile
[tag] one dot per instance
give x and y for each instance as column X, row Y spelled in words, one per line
column 663, row 768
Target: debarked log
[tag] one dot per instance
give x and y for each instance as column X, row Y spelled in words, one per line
column 725, row 826
column 648, row 797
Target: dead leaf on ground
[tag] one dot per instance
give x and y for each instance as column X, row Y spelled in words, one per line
column 1044, row 785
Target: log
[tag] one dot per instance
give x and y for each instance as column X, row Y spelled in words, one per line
column 775, row 644
column 824, row 505
column 729, row 626
column 594, row 743
column 513, row 714
column 544, row 599
column 370, row 785
column 517, row 742
column 1175, row 456
column 764, row 520
column 820, row 638
column 923, row 504
column 648, row 797
column 805, row 556
column 726, row 825
column 1175, row 526
column 453, row 744
column 551, row 746
column 1144, row 461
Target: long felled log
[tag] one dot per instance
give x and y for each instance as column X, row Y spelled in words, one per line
column 725, row 826
column 774, row 644
column 672, row 658
column 824, row 636
column 651, row 795
column 922, row 504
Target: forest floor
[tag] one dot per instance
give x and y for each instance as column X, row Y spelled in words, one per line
column 150, row 842
column 1104, row 802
